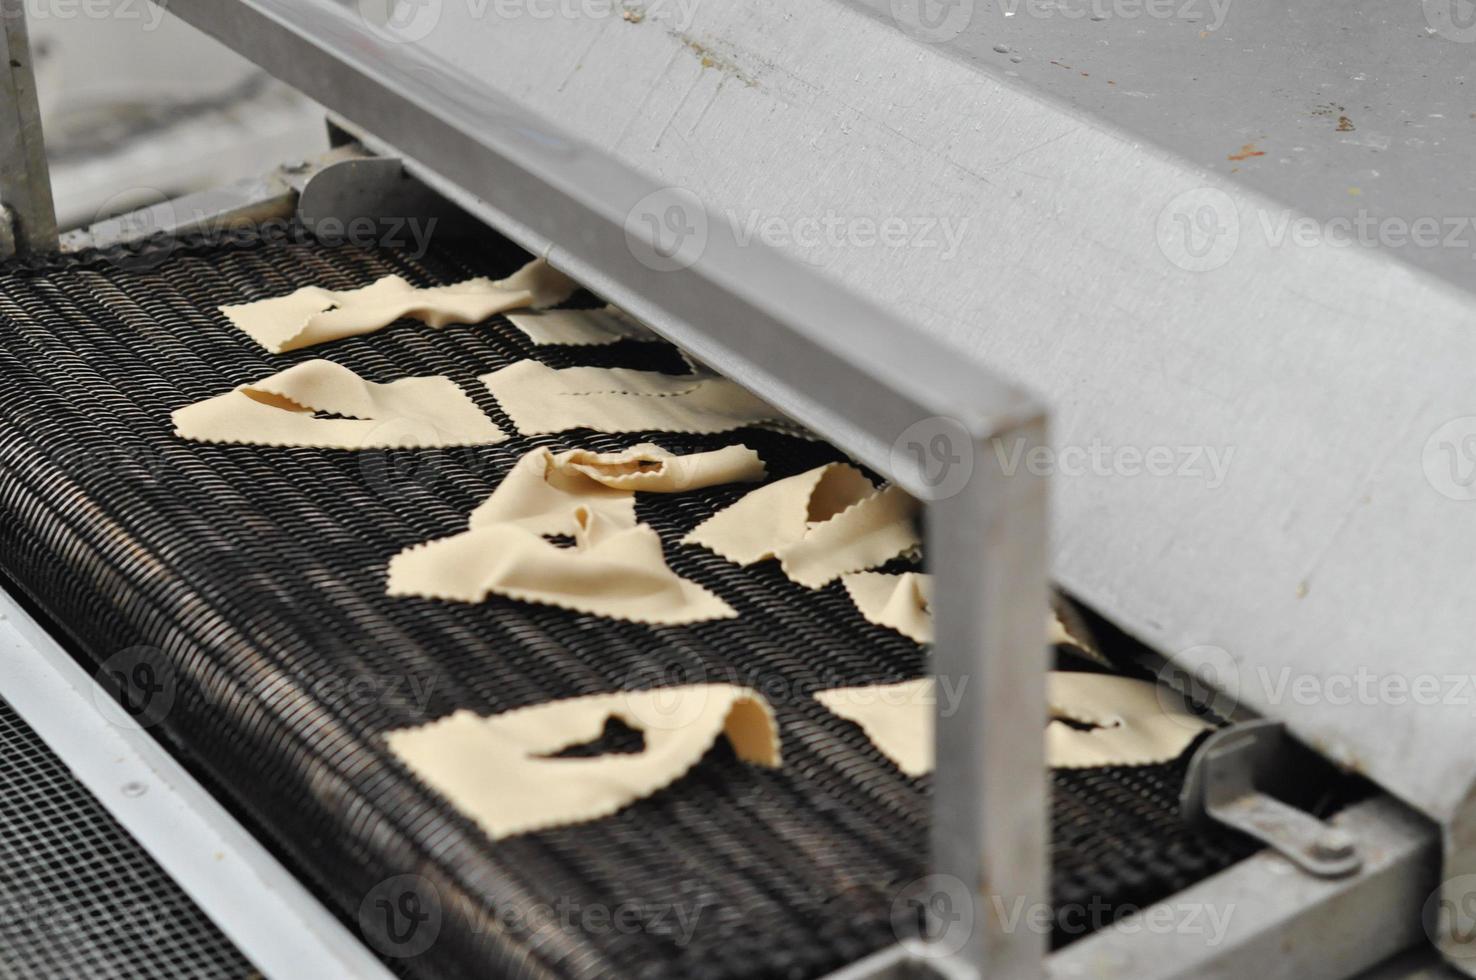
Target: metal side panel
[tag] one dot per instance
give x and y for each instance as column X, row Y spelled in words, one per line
column 1263, row 460
column 254, row 901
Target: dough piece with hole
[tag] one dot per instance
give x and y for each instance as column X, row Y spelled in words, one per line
column 613, row 571
column 579, row 328
column 1139, row 723
column 412, row 413
column 820, row 525
column 313, row 315
column 898, row 602
column 543, row 491
column 503, row 771
column 541, row 400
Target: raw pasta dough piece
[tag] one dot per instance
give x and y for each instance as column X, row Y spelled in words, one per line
column 820, row 525
column 412, row 413
column 1136, row 727
column 903, row 602
column 771, row 518
column 898, row 718
column 543, row 491
column 542, row 400
column 579, row 327
column 314, row 316
column 613, row 571
column 498, row 770
column 898, row 602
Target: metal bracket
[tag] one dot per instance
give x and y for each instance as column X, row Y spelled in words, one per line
column 1229, row 781
column 365, row 196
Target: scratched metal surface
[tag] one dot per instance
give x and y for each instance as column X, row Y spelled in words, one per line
column 1333, row 108
column 1323, row 373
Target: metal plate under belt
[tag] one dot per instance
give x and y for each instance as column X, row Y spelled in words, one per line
column 251, row 581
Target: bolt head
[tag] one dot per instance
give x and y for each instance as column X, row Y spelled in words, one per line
column 1334, row 844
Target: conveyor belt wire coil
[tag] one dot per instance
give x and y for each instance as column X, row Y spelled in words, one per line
column 250, row 581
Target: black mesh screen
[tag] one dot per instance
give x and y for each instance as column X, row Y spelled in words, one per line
column 240, row 591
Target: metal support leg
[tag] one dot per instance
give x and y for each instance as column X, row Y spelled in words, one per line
column 987, row 548
column 25, row 182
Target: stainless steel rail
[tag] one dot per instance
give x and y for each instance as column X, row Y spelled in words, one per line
column 870, row 383
column 29, row 223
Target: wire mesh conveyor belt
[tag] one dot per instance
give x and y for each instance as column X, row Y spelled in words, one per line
column 250, row 580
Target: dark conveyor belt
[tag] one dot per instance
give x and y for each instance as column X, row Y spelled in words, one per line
column 250, row 582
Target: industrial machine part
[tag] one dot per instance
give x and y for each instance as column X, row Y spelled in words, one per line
column 877, row 373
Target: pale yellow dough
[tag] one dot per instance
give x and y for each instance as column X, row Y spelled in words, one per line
column 412, row 413
column 898, row 602
column 579, row 327
column 542, row 400
column 898, row 718
column 1137, row 727
column 543, row 491
column 820, row 525
column 1140, row 723
column 615, row 571
column 312, row 315
column 498, row 772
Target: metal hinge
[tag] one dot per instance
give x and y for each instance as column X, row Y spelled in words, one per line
column 1231, row 780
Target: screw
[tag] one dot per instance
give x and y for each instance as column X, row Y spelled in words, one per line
column 1333, row 845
